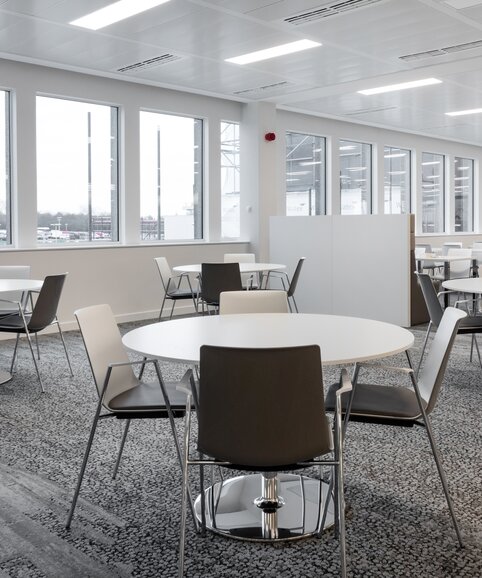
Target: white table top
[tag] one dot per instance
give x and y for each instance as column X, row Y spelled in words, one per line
column 20, row 285
column 443, row 258
column 243, row 267
column 467, row 285
column 342, row 340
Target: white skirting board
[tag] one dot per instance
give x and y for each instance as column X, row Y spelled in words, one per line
column 357, row 265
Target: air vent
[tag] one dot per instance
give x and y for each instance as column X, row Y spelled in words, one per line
column 330, row 9
column 150, row 62
column 265, row 88
column 370, row 110
column 442, row 51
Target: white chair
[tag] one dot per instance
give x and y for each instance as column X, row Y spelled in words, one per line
column 450, row 245
column 10, row 298
column 249, row 280
column 172, row 286
column 460, row 269
column 253, row 302
column 477, row 246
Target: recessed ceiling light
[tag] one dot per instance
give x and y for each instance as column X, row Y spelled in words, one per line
column 280, row 50
column 462, row 112
column 395, row 156
column 115, row 12
column 401, row 86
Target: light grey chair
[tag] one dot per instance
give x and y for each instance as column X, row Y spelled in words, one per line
column 470, row 325
column 257, row 301
column 43, row 315
column 250, row 395
column 121, row 394
column 171, row 285
column 402, row 406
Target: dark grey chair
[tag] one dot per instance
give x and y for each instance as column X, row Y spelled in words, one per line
column 44, row 314
column 471, row 324
column 172, row 286
column 402, row 406
column 289, row 286
column 120, row 392
column 262, row 410
column 216, row 278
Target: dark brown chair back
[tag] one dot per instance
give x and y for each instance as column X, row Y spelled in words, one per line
column 45, row 309
column 219, row 277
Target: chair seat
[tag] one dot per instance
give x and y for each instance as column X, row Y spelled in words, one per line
column 378, row 401
column 179, row 294
column 148, row 397
column 471, row 324
column 13, row 323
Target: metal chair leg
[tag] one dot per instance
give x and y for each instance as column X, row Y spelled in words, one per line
column 14, row 353
column 429, row 328
column 162, row 307
column 34, row 360
column 65, row 347
column 185, row 486
column 121, row 449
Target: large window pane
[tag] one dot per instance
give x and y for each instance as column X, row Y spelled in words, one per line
column 77, row 171
column 396, row 180
column 355, row 178
column 463, row 179
column 305, row 174
column 171, row 177
column 433, row 193
column 5, row 232
column 230, row 187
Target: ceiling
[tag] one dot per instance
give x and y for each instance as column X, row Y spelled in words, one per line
column 183, row 44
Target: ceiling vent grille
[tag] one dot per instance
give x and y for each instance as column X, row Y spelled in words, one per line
column 442, row 51
column 150, row 62
column 263, row 89
column 370, row 110
column 330, row 9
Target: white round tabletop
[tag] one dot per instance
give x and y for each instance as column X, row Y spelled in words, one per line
column 243, row 267
column 20, row 285
column 341, row 339
column 441, row 258
column 466, row 285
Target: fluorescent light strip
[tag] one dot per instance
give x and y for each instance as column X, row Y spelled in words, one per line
column 401, row 86
column 280, row 50
column 395, row 156
column 115, row 12
column 464, row 112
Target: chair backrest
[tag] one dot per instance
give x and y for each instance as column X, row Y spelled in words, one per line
column 242, row 258
column 268, row 404
column 460, row 269
column 450, row 245
column 295, row 278
column 103, row 344
column 219, row 277
column 14, row 272
column 45, row 309
column 432, row 373
column 164, row 271
column 253, row 302
column 477, row 254
column 434, row 307
column 477, row 246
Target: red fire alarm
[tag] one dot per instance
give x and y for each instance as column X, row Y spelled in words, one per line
column 269, row 136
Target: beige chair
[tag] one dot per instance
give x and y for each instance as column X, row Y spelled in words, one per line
column 262, row 410
column 249, row 280
column 121, row 394
column 9, row 299
column 458, row 269
column 450, row 245
column 172, row 286
column 253, row 302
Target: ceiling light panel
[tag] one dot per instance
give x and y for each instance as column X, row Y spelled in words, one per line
column 115, row 13
column 274, row 52
column 400, row 86
column 464, row 112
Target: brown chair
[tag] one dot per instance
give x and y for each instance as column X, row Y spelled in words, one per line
column 216, row 278
column 262, row 410
column 44, row 314
column 401, row 406
column 289, row 286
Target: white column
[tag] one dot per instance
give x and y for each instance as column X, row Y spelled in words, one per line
column 129, row 177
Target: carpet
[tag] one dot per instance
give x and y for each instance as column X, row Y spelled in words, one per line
column 397, row 519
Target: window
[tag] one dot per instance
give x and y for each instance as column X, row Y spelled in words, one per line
column 5, row 230
column 396, row 180
column 355, row 178
column 230, row 171
column 171, row 163
column 433, row 193
column 77, row 172
column 463, row 179
column 305, row 174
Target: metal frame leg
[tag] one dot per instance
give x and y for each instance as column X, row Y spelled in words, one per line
column 429, row 328
column 14, row 353
column 65, row 347
column 121, row 449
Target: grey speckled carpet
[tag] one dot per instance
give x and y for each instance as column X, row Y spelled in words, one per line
column 397, row 520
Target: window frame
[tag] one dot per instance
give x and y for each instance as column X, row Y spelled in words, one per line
column 370, row 172
column 409, row 194
column 471, row 196
column 443, row 191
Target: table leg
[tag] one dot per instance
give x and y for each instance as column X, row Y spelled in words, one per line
column 446, row 278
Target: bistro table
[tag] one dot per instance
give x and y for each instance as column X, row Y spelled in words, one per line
column 7, row 285
column 342, row 340
column 260, row 268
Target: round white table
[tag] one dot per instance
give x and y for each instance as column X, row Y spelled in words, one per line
column 7, row 285
column 467, row 285
column 231, row 508
column 243, row 268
